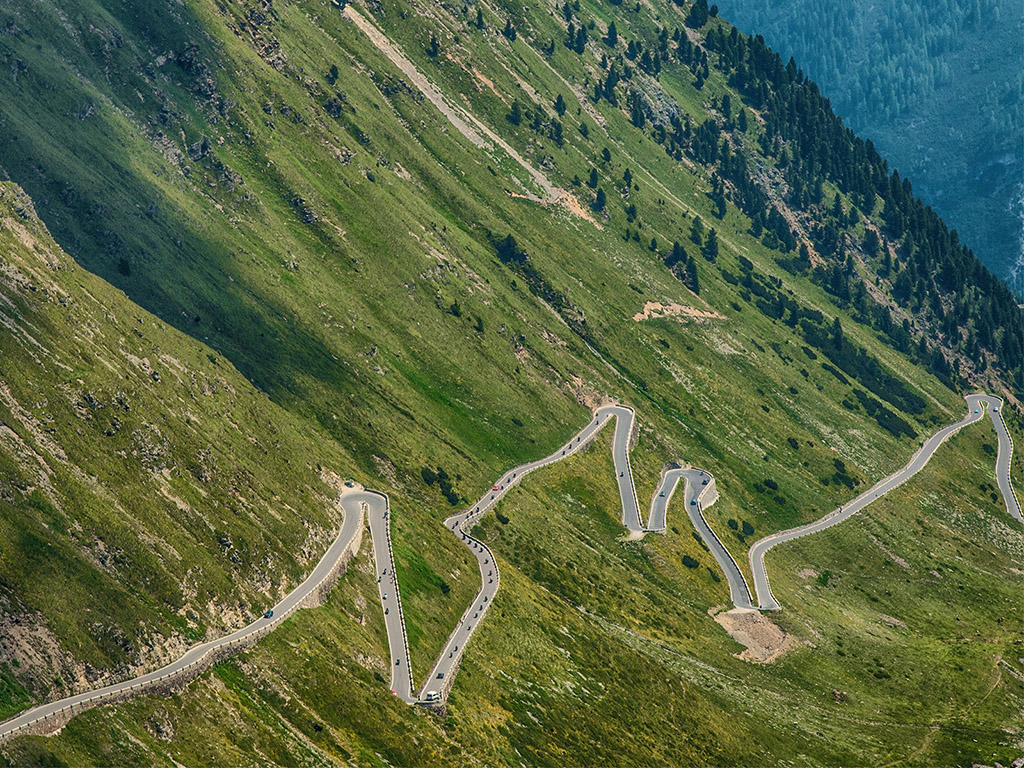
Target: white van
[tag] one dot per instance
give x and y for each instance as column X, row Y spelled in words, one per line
column 432, row 696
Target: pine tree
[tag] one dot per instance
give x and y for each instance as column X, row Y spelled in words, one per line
column 612, row 38
column 580, row 45
column 710, row 249
column 697, row 232
column 698, row 15
column 509, row 31
column 692, row 280
column 559, row 105
column 837, row 333
column 676, row 256
column 592, row 181
column 515, row 115
column 600, row 201
column 557, row 133
column 636, row 112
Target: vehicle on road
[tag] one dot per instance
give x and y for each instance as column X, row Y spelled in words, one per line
column 621, row 474
column 349, row 484
column 385, row 595
column 440, row 675
column 432, row 696
column 705, row 481
column 398, row 662
column 662, row 493
column 496, row 488
column 693, row 502
column 269, row 614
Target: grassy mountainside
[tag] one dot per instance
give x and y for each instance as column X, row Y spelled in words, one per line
column 262, row 177
column 151, row 495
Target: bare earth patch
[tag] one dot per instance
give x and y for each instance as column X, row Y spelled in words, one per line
column 655, row 309
column 765, row 641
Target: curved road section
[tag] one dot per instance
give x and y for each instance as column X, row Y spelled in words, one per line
column 976, row 407
column 197, row 657
column 699, row 492
column 697, row 484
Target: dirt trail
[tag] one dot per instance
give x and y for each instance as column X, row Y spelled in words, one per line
column 466, row 124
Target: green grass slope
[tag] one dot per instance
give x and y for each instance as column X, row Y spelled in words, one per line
column 151, row 496
column 260, row 176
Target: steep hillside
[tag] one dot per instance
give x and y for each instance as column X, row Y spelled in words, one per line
column 397, row 239
column 151, row 496
column 938, row 87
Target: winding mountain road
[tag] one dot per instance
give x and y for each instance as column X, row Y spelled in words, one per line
column 977, row 405
column 699, row 492
column 200, row 656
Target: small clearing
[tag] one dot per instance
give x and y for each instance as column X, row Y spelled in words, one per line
column 765, row 641
column 655, row 309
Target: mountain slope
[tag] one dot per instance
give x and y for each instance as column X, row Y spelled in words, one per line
column 938, row 88
column 135, row 518
column 265, row 178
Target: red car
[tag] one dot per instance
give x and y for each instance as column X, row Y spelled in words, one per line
column 496, row 488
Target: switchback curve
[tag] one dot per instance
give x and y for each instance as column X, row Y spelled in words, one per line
column 699, row 492
column 977, row 405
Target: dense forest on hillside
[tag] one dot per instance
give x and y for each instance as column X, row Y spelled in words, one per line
column 953, row 300
column 936, row 84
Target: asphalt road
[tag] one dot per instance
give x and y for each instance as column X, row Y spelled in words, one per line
column 976, row 407
column 739, row 592
column 696, row 482
column 1003, row 458
column 378, row 515
column 349, row 528
column 462, row 524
